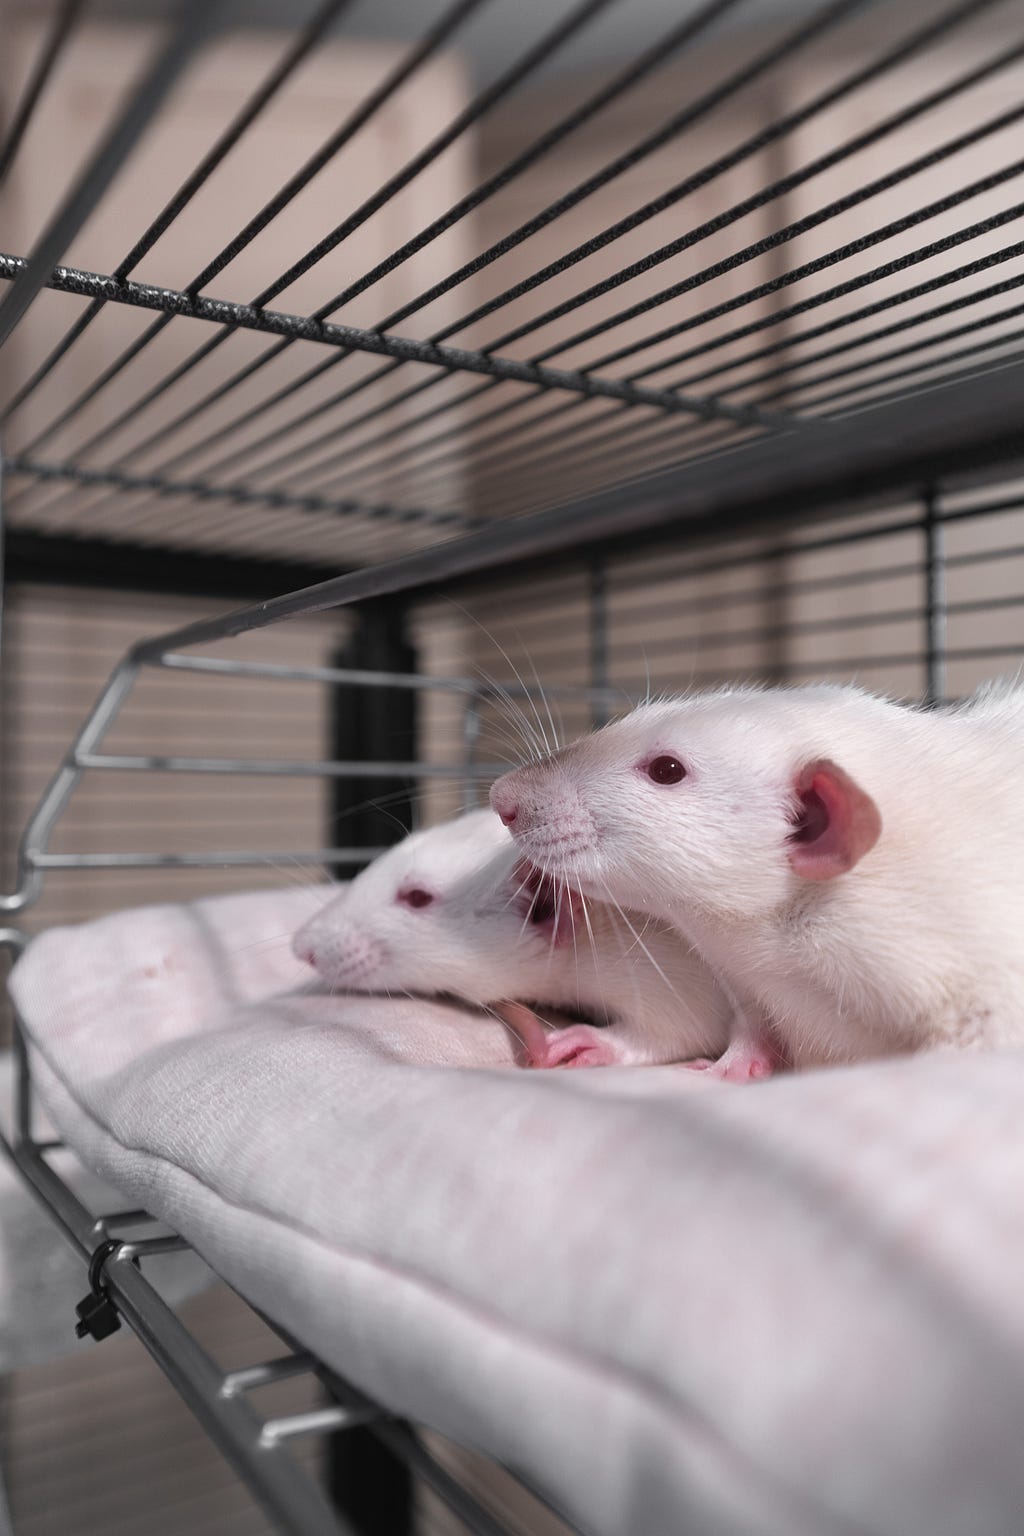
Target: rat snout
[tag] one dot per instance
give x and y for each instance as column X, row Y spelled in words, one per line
column 514, row 797
column 504, row 800
column 544, row 813
column 339, row 951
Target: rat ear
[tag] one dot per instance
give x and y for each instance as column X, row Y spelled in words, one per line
column 835, row 823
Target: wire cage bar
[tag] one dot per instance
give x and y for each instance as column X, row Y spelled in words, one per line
column 824, row 356
column 256, row 1446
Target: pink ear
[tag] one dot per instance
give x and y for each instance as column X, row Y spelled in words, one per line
column 836, row 822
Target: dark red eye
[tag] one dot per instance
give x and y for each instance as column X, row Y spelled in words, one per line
column 666, row 770
column 415, row 897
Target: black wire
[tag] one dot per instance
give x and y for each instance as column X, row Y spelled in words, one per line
column 201, row 490
column 332, row 146
column 799, row 227
column 908, row 47
column 395, row 453
column 194, row 449
column 786, row 343
column 995, row 365
column 654, row 57
column 800, row 628
column 629, row 440
column 840, row 290
column 554, row 473
column 466, row 450
column 48, row 56
column 826, row 18
column 195, row 19
column 754, row 145
column 843, row 375
column 184, row 195
column 840, row 322
column 302, row 327
column 534, row 58
column 866, row 338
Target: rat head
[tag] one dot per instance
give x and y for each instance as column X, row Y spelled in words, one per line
column 722, row 802
column 447, row 910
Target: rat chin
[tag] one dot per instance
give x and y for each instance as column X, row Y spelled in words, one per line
column 573, row 865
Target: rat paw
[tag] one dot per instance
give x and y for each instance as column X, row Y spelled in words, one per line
column 744, row 1062
column 544, row 1048
column 578, row 1046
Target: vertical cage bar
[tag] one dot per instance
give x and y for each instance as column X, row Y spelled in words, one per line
column 471, row 728
column 934, row 601
column 369, row 812
column 598, row 617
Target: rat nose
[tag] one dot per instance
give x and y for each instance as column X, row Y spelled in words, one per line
column 503, row 801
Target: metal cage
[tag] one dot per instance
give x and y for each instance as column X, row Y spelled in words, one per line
column 821, row 405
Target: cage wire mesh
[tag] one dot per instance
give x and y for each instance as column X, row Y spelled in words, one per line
column 665, row 346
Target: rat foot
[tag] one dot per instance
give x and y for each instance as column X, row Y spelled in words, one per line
column 747, row 1060
column 579, row 1045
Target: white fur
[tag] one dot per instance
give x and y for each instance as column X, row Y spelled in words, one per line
column 474, row 941
column 920, row 944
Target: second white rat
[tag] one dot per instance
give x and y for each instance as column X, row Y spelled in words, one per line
column 451, row 911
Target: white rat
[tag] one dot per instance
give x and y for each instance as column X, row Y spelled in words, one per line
column 851, row 869
column 452, row 911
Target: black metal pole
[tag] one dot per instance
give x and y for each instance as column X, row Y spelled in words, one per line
column 934, row 601
column 374, row 724
column 369, row 1484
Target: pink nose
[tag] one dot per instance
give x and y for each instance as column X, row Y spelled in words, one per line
column 503, row 802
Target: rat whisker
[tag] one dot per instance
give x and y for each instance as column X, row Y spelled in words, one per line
column 507, row 658
column 640, row 941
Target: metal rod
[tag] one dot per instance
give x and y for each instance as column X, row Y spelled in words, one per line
column 235, row 860
column 304, row 328
column 471, row 725
column 61, row 787
column 48, row 55
column 151, row 1247
column 368, row 679
column 317, row 1422
column 266, row 1373
column 426, row 1467
column 934, row 600
column 279, row 767
column 283, row 1489
column 597, row 610
column 789, row 232
column 879, row 451
column 239, row 495
column 172, row 210
column 287, row 1493
column 195, row 20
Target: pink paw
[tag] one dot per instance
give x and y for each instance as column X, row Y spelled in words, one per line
column 578, row 1045
column 743, row 1062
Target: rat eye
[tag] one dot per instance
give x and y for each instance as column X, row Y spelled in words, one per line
column 666, row 770
column 415, row 896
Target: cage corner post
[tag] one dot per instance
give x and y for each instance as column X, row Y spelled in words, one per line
column 368, row 1483
column 374, row 724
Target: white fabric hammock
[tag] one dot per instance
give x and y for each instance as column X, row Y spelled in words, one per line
column 675, row 1305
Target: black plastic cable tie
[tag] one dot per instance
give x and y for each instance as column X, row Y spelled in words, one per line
column 97, row 1312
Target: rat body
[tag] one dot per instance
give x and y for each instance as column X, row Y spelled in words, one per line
column 453, row 911
column 851, row 869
